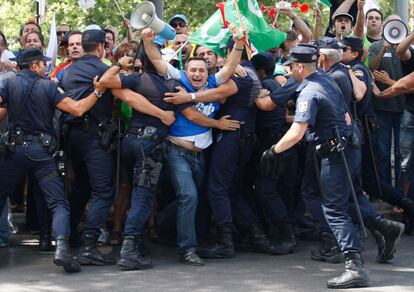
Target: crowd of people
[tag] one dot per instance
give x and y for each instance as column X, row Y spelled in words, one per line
column 215, row 155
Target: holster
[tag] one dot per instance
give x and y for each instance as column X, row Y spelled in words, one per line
column 330, row 146
column 152, row 166
column 49, row 142
column 108, row 132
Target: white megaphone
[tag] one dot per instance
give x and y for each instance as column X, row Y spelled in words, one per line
column 144, row 15
column 395, row 31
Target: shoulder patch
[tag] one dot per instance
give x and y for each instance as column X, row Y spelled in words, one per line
column 359, row 73
column 302, row 106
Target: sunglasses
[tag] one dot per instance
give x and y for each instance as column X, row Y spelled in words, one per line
column 60, row 32
column 178, row 24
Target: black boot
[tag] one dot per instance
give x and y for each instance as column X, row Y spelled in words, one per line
column 224, row 248
column 45, row 240
column 257, row 239
column 354, row 275
column 329, row 251
column 130, row 257
column 379, row 240
column 90, row 255
column 63, row 257
column 391, row 231
column 287, row 241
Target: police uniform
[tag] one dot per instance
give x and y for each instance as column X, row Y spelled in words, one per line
column 269, row 180
column 31, row 143
column 230, row 154
column 92, row 163
column 320, row 105
column 142, row 152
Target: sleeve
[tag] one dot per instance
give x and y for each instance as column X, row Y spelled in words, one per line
column 242, row 83
column 172, row 72
column 306, row 108
column 57, row 94
column 129, row 81
column 180, row 107
column 219, row 78
column 285, row 92
column 3, row 92
column 373, row 51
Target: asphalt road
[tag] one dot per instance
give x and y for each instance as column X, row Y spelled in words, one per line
column 24, row 268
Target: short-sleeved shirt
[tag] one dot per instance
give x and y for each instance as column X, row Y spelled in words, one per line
column 37, row 113
column 77, row 81
column 274, row 120
column 341, row 76
column 408, row 67
column 363, row 107
column 241, row 106
column 153, row 87
column 392, row 65
column 320, row 105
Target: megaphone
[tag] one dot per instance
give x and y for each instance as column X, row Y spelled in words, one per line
column 144, row 16
column 394, row 31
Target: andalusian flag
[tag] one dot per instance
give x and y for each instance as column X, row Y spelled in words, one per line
column 326, row 3
column 262, row 37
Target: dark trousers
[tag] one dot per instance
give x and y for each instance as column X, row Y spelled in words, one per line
column 134, row 151
column 93, row 168
column 224, row 184
column 38, row 163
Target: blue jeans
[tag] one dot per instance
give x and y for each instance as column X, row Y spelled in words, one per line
column 389, row 123
column 32, row 158
column 187, row 177
column 93, row 168
column 134, row 151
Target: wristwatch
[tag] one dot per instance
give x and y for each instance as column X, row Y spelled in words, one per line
column 98, row 94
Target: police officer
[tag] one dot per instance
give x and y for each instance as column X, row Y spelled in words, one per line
column 386, row 232
column 268, row 181
column 92, row 163
column 320, row 107
column 141, row 149
column 30, row 143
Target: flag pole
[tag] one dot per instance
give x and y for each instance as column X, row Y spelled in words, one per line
column 236, row 6
column 119, row 8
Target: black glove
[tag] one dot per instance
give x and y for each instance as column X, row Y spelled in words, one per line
column 269, row 163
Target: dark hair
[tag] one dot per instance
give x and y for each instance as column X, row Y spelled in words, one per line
column 89, row 47
column 147, row 66
column 360, row 53
column 195, row 59
column 41, row 38
column 376, row 10
column 3, row 38
column 125, row 48
column 73, row 32
column 27, row 65
column 106, row 30
column 291, row 35
column 27, row 23
column 199, row 46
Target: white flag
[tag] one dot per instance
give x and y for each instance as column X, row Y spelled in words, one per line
column 52, row 48
column 369, row 4
column 42, row 9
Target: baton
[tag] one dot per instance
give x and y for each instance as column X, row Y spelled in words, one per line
column 340, row 149
column 118, row 159
column 371, row 152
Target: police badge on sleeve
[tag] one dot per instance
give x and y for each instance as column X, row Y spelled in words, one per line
column 302, row 106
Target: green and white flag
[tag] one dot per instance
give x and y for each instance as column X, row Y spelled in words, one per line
column 262, row 37
column 326, row 3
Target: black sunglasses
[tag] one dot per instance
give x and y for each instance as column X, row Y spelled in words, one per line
column 60, row 32
column 178, row 24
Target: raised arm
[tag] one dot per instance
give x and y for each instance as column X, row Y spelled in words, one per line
column 360, row 19
column 300, row 25
column 344, row 7
column 153, row 53
column 403, row 49
column 233, row 59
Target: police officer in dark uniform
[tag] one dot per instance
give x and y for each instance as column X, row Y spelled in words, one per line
column 269, row 176
column 386, row 232
column 30, row 143
column 320, row 107
column 142, row 149
column 92, row 163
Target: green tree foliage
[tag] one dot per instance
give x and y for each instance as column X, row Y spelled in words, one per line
column 16, row 12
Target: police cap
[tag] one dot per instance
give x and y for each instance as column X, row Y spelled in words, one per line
column 330, row 43
column 94, row 36
column 264, row 61
column 28, row 55
column 302, row 53
column 355, row 43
